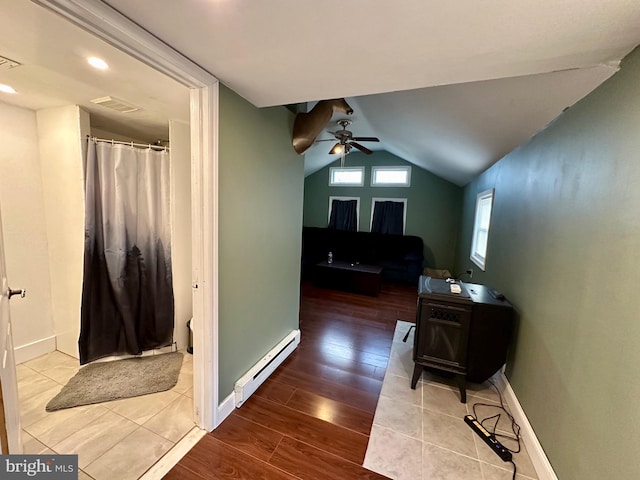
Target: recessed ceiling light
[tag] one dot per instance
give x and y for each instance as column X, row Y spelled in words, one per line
column 6, row 88
column 98, row 63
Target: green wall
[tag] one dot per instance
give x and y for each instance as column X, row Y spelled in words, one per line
column 261, row 190
column 564, row 247
column 433, row 204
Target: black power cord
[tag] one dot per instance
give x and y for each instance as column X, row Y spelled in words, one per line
column 515, row 428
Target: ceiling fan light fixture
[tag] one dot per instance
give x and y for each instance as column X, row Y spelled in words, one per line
column 346, row 140
column 337, row 148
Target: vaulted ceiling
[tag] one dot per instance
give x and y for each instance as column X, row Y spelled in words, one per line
column 449, row 86
column 457, row 131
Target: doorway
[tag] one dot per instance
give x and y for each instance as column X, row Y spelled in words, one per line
column 203, row 97
column 97, row 433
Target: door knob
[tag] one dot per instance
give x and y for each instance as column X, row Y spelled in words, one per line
column 22, row 292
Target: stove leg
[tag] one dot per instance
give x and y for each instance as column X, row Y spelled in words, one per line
column 462, row 385
column 417, row 372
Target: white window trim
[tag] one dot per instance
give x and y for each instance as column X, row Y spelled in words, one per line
column 397, row 200
column 406, row 168
column 357, row 199
column 476, row 257
column 359, row 184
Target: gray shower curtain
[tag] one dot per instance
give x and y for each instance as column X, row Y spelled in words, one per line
column 127, row 293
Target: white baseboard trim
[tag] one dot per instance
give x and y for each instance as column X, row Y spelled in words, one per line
column 173, row 456
column 539, row 459
column 32, row 350
column 226, row 407
column 258, row 373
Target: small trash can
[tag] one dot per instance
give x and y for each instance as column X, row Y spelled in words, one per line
column 190, row 336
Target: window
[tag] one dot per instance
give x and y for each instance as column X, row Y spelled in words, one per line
column 346, row 176
column 388, row 215
column 480, row 240
column 391, row 176
column 344, row 213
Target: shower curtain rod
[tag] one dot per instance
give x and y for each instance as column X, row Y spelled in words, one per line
column 133, row 144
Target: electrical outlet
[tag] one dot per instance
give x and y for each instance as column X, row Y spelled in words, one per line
column 470, row 272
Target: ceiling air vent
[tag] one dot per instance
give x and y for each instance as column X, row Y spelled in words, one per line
column 115, row 104
column 8, row 63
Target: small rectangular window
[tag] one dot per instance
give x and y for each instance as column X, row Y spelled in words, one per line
column 391, row 176
column 480, row 240
column 346, row 176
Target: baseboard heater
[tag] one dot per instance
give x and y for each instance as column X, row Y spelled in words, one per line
column 251, row 380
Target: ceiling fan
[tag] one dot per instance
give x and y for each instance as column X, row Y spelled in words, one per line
column 346, row 140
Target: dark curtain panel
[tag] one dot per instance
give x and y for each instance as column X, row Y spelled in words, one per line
column 388, row 217
column 127, row 293
column 344, row 215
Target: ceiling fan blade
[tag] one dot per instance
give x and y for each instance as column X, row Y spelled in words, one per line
column 361, row 148
column 325, row 140
column 337, row 148
column 366, row 139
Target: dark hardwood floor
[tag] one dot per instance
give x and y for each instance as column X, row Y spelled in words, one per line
column 312, row 418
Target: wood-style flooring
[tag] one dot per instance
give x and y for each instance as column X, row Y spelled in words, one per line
column 312, row 418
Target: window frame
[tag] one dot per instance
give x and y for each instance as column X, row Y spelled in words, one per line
column 403, row 168
column 398, row 200
column 477, row 257
column 342, row 198
column 334, row 169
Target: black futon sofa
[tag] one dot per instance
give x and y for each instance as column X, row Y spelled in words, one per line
column 401, row 256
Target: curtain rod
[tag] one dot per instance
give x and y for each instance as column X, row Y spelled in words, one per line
column 133, row 144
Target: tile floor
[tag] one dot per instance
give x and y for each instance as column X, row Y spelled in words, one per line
column 114, row 440
column 421, row 434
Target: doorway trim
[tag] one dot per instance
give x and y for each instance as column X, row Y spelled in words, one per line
column 111, row 26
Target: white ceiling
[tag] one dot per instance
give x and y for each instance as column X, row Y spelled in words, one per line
column 472, row 80
column 54, row 72
column 449, row 86
column 286, row 51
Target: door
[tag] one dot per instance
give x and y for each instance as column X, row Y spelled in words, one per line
column 10, row 432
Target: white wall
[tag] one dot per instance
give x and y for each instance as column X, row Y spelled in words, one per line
column 61, row 131
column 179, row 139
column 25, row 235
column 110, row 135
